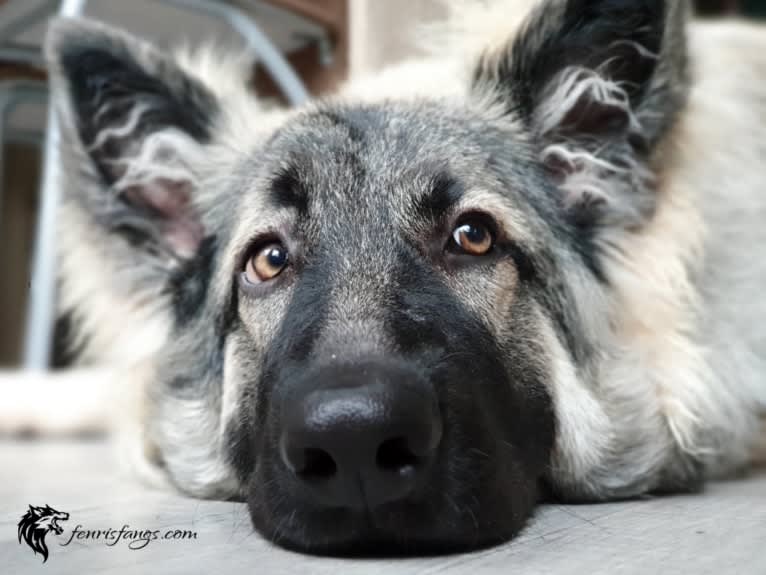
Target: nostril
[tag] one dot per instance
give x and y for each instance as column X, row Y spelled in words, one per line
column 395, row 455
column 317, row 464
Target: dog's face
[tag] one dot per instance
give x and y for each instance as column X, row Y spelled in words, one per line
column 385, row 279
column 372, row 306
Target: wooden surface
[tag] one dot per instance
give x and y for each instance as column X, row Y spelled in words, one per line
column 18, row 204
column 722, row 531
column 320, row 78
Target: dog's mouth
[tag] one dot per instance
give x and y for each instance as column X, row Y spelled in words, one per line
column 434, row 525
column 396, row 532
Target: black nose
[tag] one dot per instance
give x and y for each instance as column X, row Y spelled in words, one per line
column 363, row 436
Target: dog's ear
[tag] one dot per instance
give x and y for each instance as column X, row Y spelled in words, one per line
column 597, row 83
column 138, row 126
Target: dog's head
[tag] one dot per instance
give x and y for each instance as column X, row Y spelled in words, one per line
column 373, row 309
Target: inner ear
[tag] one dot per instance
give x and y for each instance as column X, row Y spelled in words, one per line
column 582, row 102
column 597, row 83
column 170, row 202
column 144, row 124
column 119, row 101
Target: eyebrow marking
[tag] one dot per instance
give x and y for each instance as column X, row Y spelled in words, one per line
column 288, row 191
column 442, row 195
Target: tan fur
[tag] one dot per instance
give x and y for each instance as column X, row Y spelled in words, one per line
column 659, row 312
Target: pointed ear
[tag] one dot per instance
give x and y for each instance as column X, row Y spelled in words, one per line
column 139, row 125
column 598, row 83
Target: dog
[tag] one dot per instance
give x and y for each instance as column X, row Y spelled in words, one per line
column 524, row 266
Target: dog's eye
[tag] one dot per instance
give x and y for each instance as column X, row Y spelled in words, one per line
column 266, row 263
column 473, row 237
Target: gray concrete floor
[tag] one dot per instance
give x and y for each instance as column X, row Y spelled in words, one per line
column 721, row 531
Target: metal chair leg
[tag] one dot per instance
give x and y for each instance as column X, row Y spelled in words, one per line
column 41, row 312
column 280, row 69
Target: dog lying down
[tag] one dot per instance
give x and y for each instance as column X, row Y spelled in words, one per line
column 527, row 265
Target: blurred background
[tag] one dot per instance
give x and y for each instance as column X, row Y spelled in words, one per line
column 300, row 47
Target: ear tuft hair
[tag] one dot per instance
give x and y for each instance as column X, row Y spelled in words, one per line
column 597, row 83
column 142, row 122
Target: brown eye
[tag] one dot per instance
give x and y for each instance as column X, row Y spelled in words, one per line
column 472, row 238
column 266, row 263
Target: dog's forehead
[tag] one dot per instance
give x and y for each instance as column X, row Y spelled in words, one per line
column 379, row 134
column 354, row 156
column 364, row 175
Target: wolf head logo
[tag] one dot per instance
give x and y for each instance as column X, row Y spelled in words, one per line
column 35, row 525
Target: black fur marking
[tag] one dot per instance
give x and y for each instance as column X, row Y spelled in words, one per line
column 66, row 348
column 189, row 285
column 288, row 352
column 438, row 202
column 523, row 260
column 288, row 191
column 305, row 317
column 428, row 321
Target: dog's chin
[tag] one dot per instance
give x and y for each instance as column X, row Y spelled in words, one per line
column 399, row 529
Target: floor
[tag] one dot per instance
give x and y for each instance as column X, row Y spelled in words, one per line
column 722, row 531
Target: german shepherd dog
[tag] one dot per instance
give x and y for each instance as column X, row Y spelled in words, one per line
column 529, row 264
